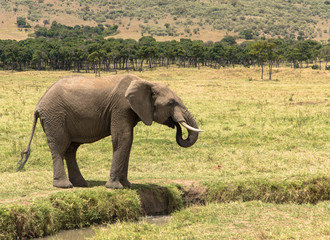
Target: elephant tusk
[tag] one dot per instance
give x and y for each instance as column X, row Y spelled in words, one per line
column 190, row 127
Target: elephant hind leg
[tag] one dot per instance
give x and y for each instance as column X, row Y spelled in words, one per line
column 59, row 176
column 74, row 173
column 58, row 142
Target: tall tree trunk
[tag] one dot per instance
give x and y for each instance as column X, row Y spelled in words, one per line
column 270, row 69
column 141, row 67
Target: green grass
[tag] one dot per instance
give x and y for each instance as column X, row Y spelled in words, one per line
column 66, row 211
column 309, row 190
column 235, row 220
column 252, row 130
column 263, row 140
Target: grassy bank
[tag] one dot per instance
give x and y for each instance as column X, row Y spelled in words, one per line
column 67, row 210
column 86, row 207
column 261, row 137
column 309, row 190
column 83, row 208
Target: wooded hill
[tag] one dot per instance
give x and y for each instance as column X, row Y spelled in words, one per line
column 175, row 19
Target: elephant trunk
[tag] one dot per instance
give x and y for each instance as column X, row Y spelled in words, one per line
column 192, row 127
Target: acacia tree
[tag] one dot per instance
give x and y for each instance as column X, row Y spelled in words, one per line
column 217, row 53
column 112, row 52
column 258, row 51
column 325, row 54
column 197, row 52
column 231, row 54
column 264, row 51
column 128, row 51
column 147, row 50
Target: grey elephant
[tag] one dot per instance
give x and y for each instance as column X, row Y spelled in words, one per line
column 77, row 110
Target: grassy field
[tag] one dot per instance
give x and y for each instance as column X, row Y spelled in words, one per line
column 254, row 130
column 236, row 220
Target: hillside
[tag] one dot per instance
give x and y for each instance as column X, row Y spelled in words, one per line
column 175, row 19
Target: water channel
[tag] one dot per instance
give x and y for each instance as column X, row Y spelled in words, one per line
column 80, row 234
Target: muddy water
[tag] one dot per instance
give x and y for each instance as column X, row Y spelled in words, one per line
column 80, row 234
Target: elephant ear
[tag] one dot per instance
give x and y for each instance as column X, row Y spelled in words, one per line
column 138, row 95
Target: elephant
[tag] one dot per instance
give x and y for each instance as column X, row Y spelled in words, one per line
column 78, row 109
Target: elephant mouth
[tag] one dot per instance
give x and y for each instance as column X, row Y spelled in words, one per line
column 192, row 132
column 170, row 122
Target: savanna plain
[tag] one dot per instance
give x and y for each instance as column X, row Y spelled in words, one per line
column 255, row 130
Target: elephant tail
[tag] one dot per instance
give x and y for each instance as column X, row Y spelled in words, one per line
column 27, row 151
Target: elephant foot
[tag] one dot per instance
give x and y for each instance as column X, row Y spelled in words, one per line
column 81, row 182
column 114, row 184
column 125, row 183
column 62, row 183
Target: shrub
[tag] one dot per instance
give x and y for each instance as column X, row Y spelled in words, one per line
column 315, row 66
column 22, row 23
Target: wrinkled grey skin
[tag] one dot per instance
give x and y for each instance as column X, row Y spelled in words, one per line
column 77, row 110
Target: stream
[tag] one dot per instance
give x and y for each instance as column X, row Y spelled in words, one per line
column 79, row 234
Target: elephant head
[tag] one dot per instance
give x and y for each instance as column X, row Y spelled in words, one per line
column 156, row 102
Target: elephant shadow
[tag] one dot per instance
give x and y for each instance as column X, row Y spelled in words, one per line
column 134, row 186
column 95, row 183
column 155, row 199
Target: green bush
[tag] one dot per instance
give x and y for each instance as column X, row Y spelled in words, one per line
column 315, row 66
column 22, row 23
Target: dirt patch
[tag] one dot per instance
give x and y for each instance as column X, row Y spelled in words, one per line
column 194, row 195
column 154, row 202
column 309, row 103
column 159, row 200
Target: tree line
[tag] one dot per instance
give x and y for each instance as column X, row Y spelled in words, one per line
column 77, row 51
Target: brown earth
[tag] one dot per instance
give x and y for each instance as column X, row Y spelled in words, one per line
column 156, row 200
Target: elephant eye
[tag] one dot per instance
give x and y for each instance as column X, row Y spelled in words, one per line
column 171, row 102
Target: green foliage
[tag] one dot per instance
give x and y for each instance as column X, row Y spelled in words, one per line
column 248, row 34
column 84, row 48
column 158, row 31
column 76, row 33
column 289, row 19
column 22, row 23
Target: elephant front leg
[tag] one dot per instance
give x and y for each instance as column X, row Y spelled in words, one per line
column 122, row 143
